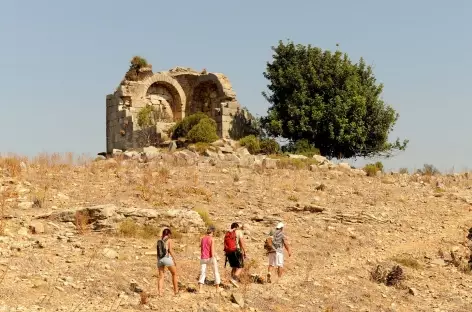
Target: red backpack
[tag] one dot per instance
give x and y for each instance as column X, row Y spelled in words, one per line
column 230, row 241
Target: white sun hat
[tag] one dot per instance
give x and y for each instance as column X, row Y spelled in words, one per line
column 279, row 225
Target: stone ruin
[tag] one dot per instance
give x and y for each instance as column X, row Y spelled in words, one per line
column 174, row 94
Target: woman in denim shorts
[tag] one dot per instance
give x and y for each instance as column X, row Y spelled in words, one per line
column 167, row 261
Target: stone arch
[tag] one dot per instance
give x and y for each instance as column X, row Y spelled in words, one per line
column 173, row 87
column 225, row 90
column 208, row 93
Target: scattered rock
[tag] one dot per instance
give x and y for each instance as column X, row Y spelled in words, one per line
column 131, row 154
column 36, row 227
column 116, row 152
column 110, row 253
column 242, row 151
column 23, row 231
column 413, row 291
column 226, row 149
column 238, row 299
column 151, row 152
column 172, row 146
column 320, row 159
column 314, row 208
column 344, row 165
column 25, row 205
column 438, row 262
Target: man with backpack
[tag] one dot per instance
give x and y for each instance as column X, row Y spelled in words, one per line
column 235, row 250
column 274, row 245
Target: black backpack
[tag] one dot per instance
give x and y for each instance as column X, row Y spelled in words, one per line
column 161, row 248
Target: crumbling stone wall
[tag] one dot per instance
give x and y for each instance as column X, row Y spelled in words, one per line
column 174, row 94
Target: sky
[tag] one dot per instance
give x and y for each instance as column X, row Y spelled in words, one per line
column 59, row 59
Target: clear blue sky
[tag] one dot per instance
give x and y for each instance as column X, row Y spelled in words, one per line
column 59, row 59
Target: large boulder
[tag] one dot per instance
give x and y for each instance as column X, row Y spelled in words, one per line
column 269, row 163
column 131, row 154
column 108, row 216
column 93, row 213
column 247, row 161
column 151, row 152
column 186, row 157
column 232, row 158
column 242, row 151
column 321, row 159
column 210, row 153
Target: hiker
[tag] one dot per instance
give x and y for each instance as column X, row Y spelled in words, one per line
column 235, row 251
column 276, row 252
column 469, row 246
column 166, row 259
column 208, row 257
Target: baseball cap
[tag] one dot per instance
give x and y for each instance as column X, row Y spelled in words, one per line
column 279, row 225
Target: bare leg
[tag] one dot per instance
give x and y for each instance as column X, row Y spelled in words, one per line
column 160, row 280
column 173, row 271
column 237, row 272
column 269, row 273
column 280, row 271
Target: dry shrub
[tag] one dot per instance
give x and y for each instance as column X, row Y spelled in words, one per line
column 236, row 177
column 371, row 170
column 294, row 163
column 40, row 195
column 12, row 165
column 197, row 191
column 129, row 228
column 395, row 276
column 81, row 222
column 403, row 171
column 148, row 231
column 460, row 264
column 201, row 147
column 163, row 174
column 379, row 274
column 429, row 170
column 146, row 188
column 293, row 198
column 246, row 277
column 143, row 298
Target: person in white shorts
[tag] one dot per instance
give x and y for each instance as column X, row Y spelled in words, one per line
column 276, row 259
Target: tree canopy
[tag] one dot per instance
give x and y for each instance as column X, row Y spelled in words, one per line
column 331, row 102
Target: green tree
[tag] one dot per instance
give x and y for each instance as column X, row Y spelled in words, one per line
column 204, row 131
column 324, row 98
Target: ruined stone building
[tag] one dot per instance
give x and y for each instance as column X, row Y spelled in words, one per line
column 174, row 94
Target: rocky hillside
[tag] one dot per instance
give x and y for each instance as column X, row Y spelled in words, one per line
column 81, row 235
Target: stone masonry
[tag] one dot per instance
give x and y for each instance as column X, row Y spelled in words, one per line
column 174, row 94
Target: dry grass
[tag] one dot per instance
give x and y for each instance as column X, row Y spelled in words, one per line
column 407, row 261
column 204, row 215
column 293, row 163
column 129, row 228
column 11, row 165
